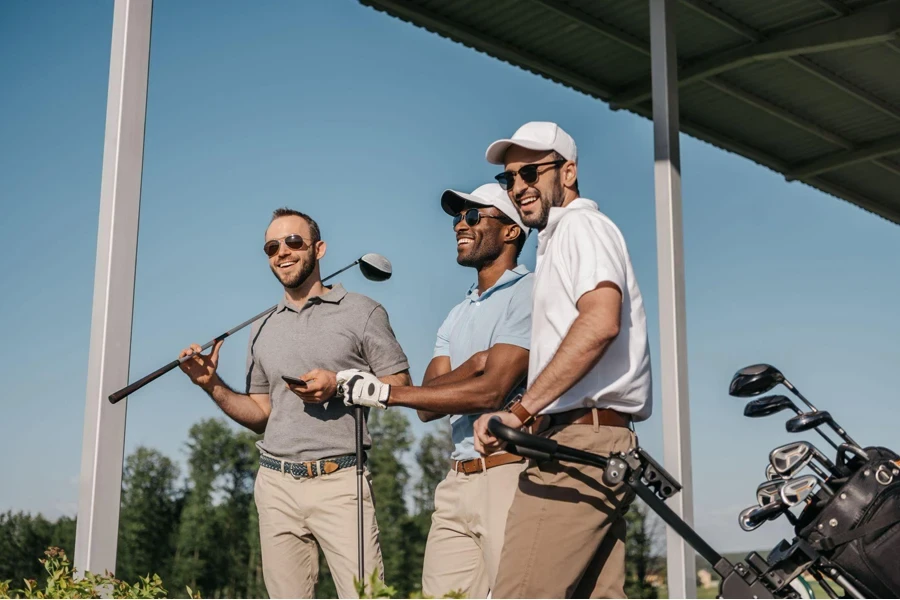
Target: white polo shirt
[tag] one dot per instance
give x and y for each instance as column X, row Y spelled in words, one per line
column 580, row 248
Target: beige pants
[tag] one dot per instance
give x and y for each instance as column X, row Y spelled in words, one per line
column 466, row 537
column 565, row 535
column 296, row 513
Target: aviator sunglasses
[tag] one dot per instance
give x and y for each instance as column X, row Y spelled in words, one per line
column 294, row 242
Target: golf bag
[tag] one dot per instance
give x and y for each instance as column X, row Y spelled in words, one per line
column 858, row 528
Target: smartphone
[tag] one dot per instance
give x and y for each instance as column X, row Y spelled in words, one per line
column 294, row 381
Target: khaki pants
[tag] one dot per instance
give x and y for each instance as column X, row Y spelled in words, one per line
column 296, row 513
column 565, row 535
column 466, row 537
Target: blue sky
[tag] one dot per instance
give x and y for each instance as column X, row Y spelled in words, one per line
column 362, row 120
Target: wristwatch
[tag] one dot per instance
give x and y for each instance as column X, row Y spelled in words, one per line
column 521, row 412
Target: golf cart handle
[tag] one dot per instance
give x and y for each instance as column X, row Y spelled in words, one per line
column 524, row 444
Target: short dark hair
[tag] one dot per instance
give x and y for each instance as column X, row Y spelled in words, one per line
column 290, row 212
column 558, row 156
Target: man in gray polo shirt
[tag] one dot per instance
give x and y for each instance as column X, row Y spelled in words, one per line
column 306, row 491
column 480, row 361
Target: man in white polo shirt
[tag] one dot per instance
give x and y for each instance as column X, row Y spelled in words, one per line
column 588, row 378
column 480, row 362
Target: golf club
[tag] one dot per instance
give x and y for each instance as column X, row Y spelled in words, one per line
column 791, row 458
column 796, row 491
column 373, row 267
column 769, row 492
column 771, row 473
column 769, row 405
column 759, row 379
column 846, row 449
column 810, row 420
column 754, row 516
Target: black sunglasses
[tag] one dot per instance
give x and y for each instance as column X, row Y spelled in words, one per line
column 528, row 173
column 472, row 216
column 294, row 242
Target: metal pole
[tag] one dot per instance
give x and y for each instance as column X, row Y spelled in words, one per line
column 110, row 351
column 672, row 323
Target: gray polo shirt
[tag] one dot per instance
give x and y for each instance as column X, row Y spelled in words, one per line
column 336, row 331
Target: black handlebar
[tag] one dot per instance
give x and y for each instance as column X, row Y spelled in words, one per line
column 541, row 448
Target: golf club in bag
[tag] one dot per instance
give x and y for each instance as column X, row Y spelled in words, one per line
column 374, row 267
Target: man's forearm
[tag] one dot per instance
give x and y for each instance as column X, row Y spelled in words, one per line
column 473, row 396
column 584, row 345
column 467, row 370
column 240, row 407
column 397, row 379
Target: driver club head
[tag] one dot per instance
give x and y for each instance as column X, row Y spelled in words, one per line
column 754, row 380
column 768, row 492
column 795, row 491
column 769, row 405
column 375, row 267
column 790, row 458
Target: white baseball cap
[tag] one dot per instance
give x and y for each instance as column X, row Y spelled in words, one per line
column 536, row 135
column 489, row 194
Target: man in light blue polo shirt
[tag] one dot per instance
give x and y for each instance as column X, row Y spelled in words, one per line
column 480, row 362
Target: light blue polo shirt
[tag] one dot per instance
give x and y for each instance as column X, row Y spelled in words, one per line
column 499, row 315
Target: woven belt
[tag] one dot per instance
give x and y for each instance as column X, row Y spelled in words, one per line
column 477, row 465
column 582, row 416
column 309, row 468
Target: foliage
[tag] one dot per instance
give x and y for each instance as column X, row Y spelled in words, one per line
column 200, row 533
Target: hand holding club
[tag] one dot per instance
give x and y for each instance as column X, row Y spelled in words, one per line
column 363, row 389
column 201, row 368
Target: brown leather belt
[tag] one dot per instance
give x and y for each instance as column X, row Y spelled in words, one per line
column 582, row 416
column 477, row 465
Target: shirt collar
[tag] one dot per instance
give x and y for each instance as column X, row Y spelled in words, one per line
column 557, row 213
column 332, row 296
column 506, row 279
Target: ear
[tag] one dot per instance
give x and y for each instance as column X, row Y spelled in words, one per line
column 320, row 249
column 569, row 174
column 512, row 232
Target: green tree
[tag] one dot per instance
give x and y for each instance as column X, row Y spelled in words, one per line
column 641, row 556
column 148, row 517
column 23, row 539
column 391, row 440
column 199, row 555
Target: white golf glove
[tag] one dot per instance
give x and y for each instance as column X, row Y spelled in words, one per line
column 362, row 389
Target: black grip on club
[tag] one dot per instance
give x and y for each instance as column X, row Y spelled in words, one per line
column 524, row 442
column 133, row 387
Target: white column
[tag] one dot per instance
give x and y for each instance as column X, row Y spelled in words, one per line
column 110, row 351
column 672, row 323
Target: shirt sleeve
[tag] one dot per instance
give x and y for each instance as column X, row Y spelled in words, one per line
column 515, row 329
column 257, row 380
column 592, row 253
column 381, row 349
column 442, row 343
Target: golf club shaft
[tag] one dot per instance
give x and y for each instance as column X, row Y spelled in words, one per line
column 360, row 416
column 135, row 386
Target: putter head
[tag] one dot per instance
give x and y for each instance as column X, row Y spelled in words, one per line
column 375, row 267
column 790, row 458
column 795, row 491
column 769, row 405
column 768, row 492
column 754, row 380
column 807, row 421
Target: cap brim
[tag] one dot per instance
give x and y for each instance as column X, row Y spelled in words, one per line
column 453, row 202
column 496, row 152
